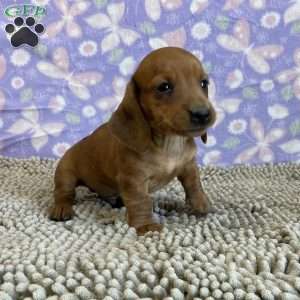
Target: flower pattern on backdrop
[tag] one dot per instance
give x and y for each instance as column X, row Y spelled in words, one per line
column 53, row 95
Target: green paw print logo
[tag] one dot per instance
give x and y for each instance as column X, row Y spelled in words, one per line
column 24, row 29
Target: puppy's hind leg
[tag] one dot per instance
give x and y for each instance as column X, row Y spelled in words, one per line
column 64, row 194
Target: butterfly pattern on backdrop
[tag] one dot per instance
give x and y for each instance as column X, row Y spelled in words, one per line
column 257, row 57
column 222, row 106
column 39, row 132
column 67, row 21
column 198, row 6
column 2, row 73
column 154, row 8
column 59, row 69
column 110, row 23
column 58, row 92
column 262, row 141
column 292, row 13
column 176, row 38
column 234, row 4
column 108, row 104
column 292, row 74
column 234, row 79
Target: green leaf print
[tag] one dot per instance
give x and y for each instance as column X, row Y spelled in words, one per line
column 287, row 93
column 295, row 29
column 73, row 118
column 250, row 93
column 147, row 28
column 231, row 143
column 100, row 3
column 222, row 22
column 115, row 56
column 26, row 95
column 295, row 127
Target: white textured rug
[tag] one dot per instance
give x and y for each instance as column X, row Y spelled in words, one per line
column 248, row 249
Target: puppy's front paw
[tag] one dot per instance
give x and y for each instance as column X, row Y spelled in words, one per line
column 150, row 227
column 200, row 205
column 61, row 212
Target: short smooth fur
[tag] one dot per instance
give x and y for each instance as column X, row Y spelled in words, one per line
column 148, row 141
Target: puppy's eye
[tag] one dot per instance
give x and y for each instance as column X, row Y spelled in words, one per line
column 165, row 87
column 204, row 84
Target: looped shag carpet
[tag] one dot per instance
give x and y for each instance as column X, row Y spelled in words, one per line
column 249, row 248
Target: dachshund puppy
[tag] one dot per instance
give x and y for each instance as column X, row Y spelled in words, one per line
column 148, row 141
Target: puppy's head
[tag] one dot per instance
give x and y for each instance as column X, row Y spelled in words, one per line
column 168, row 94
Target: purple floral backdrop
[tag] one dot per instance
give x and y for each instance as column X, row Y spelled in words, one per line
column 56, row 93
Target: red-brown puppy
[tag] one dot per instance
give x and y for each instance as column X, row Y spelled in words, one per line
column 148, row 141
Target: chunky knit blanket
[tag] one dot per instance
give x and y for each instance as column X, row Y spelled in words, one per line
column 248, row 248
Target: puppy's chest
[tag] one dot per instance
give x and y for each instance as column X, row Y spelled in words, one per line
column 168, row 163
column 169, row 160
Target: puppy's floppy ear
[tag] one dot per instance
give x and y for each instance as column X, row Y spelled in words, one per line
column 128, row 123
column 204, row 137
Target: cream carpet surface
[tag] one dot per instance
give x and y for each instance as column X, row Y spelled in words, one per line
column 248, row 248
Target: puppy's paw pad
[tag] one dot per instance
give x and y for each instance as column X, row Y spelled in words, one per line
column 61, row 213
column 150, row 227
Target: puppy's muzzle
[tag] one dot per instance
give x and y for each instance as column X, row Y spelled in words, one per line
column 200, row 116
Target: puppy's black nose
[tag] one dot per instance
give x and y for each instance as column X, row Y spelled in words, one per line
column 200, row 116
